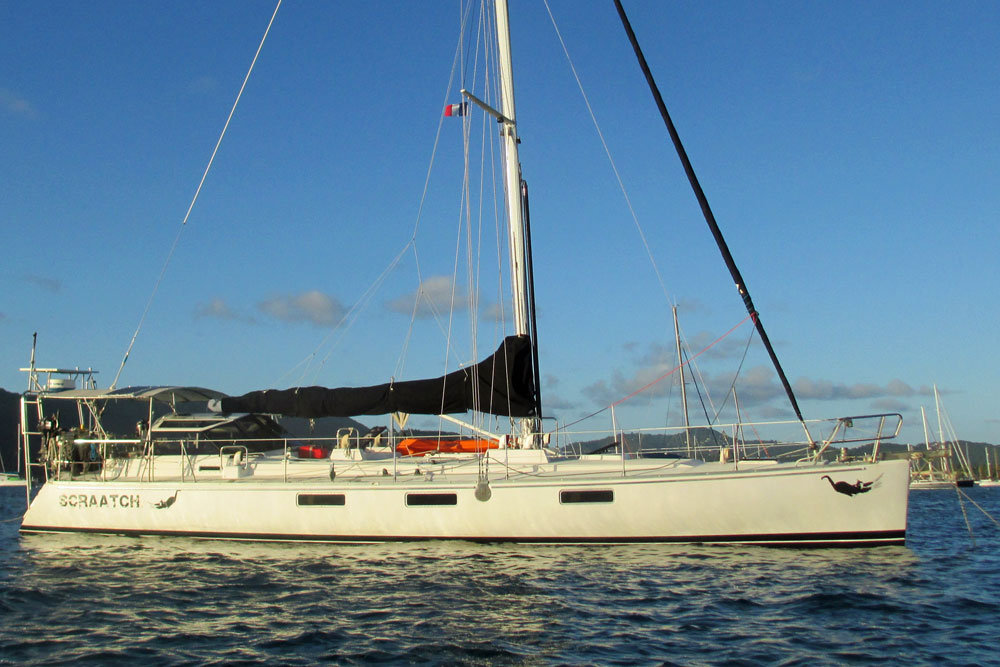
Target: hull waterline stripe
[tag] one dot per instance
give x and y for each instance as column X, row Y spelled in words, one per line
column 844, row 539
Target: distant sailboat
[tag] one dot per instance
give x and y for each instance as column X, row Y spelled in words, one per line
column 939, row 470
column 992, row 472
column 932, row 468
column 11, row 479
column 962, row 473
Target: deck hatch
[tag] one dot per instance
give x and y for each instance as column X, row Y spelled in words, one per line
column 595, row 496
column 320, row 499
column 422, row 499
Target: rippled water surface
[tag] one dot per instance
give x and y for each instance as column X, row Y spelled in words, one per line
column 107, row 600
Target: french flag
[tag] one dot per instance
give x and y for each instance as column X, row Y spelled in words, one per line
column 456, row 109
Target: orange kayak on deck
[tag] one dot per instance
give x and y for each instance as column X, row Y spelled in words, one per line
column 422, row 446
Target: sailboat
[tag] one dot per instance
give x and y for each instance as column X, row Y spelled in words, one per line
column 992, row 471
column 527, row 485
column 933, row 467
column 960, row 474
column 11, row 479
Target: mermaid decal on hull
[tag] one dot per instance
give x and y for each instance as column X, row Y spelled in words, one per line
column 166, row 502
column 849, row 489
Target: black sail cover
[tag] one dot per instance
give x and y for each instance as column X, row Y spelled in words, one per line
column 502, row 384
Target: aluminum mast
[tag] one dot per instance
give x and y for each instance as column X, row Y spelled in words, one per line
column 519, row 260
column 512, row 174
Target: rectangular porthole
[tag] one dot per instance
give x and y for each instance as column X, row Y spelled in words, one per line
column 601, row 496
column 320, row 499
column 208, row 468
column 423, row 499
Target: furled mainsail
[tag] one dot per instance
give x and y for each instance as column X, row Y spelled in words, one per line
column 502, row 384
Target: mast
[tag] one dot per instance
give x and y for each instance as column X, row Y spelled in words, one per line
column 738, row 431
column 512, row 175
column 520, row 260
column 937, row 408
column 684, row 396
column 927, row 443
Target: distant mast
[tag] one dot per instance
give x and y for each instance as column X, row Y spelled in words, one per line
column 946, row 461
column 684, row 396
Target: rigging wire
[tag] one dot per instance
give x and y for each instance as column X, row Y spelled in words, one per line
column 667, row 374
column 423, row 197
column 607, row 151
column 194, row 199
column 652, row 383
column 709, row 420
column 359, row 306
column 965, row 515
column 470, row 229
column 978, row 506
column 501, row 216
column 736, row 376
column 350, row 317
column 708, row 215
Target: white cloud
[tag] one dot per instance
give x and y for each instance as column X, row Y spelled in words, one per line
column 758, row 387
column 890, row 405
column 493, row 312
column 553, row 403
column 433, row 298
column 700, row 347
column 599, row 393
column 710, row 347
column 312, row 306
column 827, row 390
column 606, row 392
column 219, row 309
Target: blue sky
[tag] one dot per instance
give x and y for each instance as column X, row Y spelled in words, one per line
column 850, row 151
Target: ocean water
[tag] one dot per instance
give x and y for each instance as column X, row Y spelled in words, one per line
column 111, row 600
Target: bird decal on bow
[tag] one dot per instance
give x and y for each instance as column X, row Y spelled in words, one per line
column 849, row 489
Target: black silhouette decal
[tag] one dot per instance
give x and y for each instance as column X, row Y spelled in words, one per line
column 167, row 502
column 849, row 489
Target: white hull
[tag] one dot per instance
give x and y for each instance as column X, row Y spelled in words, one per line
column 777, row 504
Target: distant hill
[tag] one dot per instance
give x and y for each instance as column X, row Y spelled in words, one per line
column 326, row 427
